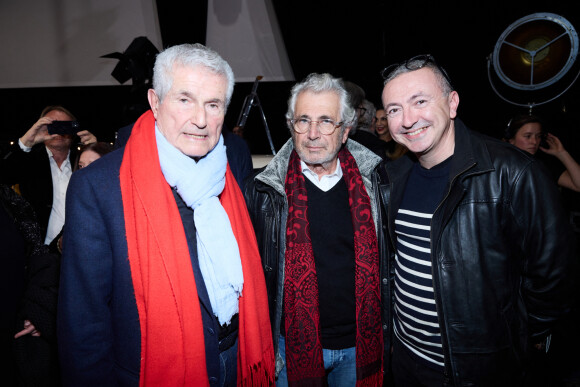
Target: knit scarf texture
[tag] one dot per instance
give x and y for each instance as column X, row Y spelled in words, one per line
column 304, row 361
column 172, row 340
column 199, row 184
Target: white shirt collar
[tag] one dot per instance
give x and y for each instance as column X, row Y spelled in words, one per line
column 326, row 182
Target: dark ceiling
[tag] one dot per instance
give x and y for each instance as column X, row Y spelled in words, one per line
column 356, row 42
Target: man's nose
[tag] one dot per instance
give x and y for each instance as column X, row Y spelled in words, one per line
column 198, row 117
column 313, row 131
column 409, row 117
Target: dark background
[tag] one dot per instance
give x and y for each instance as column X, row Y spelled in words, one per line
column 354, row 42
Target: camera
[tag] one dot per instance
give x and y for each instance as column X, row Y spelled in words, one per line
column 63, row 127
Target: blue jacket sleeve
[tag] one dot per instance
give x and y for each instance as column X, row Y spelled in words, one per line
column 84, row 319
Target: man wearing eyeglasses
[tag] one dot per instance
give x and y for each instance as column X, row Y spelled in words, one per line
column 316, row 212
column 478, row 243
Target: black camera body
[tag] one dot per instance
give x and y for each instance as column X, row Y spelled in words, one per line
column 63, row 127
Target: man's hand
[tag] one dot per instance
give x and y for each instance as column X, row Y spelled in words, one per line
column 544, row 345
column 38, row 133
column 29, row 329
column 86, row 137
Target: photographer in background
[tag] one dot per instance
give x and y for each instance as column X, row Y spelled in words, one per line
column 40, row 163
column 525, row 131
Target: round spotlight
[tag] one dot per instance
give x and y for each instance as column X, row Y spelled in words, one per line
column 535, row 51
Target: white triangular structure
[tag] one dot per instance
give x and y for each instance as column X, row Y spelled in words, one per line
column 60, row 43
column 247, row 35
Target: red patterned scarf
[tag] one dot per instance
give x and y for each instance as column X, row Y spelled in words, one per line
column 172, row 342
column 305, row 365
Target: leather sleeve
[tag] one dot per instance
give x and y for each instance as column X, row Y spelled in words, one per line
column 546, row 237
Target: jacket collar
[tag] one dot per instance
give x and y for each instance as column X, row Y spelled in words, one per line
column 469, row 155
column 275, row 172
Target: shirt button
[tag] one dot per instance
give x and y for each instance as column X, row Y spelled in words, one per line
column 385, row 327
column 385, row 281
column 213, row 380
column 210, row 330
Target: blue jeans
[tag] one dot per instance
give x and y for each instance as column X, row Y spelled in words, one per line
column 229, row 366
column 339, row 364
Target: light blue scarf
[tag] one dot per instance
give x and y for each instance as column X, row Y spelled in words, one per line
column 199, row 184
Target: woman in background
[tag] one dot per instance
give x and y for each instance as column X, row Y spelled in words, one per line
column 92, row 152
column 526, row 133
column 394, row 149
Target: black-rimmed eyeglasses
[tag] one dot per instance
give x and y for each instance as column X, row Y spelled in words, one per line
column 325, row 126
column 416, row 63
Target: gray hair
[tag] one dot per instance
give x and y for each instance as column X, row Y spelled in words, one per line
column 319, row 83
column 189, row 55
column 417, row 64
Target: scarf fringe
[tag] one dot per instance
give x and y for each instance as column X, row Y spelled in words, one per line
column 261, row 373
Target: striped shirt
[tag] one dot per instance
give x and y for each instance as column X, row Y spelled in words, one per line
column 416, row 323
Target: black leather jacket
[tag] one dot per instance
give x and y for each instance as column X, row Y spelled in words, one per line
column 501, row 251
column 268, row 208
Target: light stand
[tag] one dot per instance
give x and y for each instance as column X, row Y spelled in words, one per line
column 252, row 99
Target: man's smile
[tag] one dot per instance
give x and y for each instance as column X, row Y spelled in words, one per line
column 416, row 132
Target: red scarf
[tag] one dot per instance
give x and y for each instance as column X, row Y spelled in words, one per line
column 172, row 342
column 305, row 365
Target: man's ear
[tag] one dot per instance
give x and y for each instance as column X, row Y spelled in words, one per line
column 345, row 134
column 453, row 104
column 153, row 101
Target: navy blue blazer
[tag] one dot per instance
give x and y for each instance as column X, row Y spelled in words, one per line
column 98, row 323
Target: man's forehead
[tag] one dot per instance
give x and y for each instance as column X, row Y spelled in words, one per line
column 57, row 114
column 309, row 102
column 205, row 94
column 201, row 76
column 418, row 82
